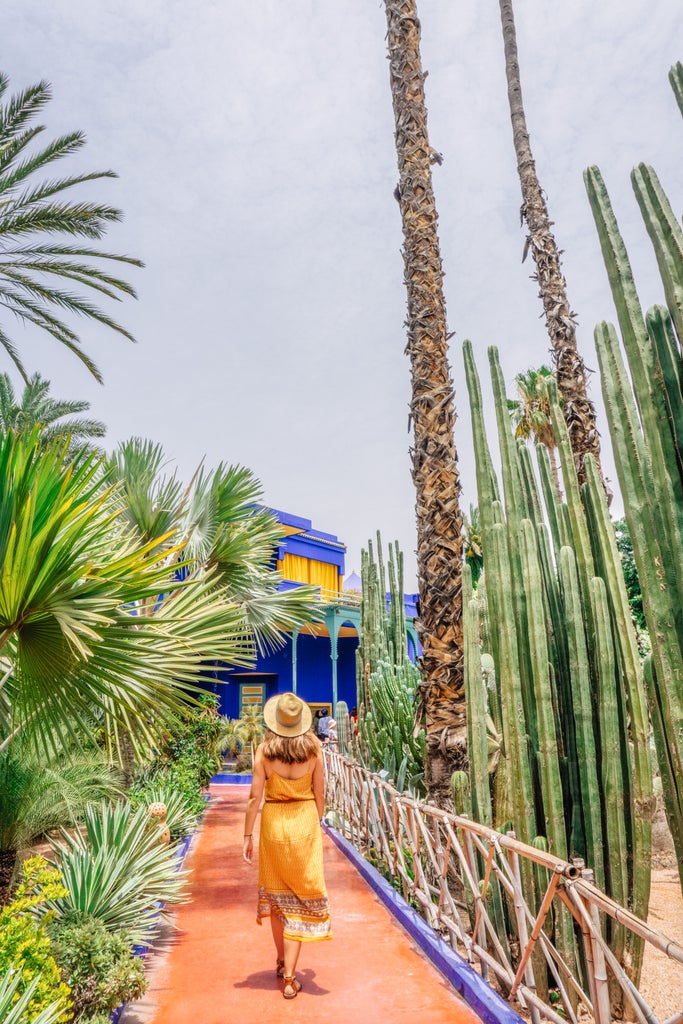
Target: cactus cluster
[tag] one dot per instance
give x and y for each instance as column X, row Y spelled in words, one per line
column 564, row 707
column 387, row 681
column 645, row 412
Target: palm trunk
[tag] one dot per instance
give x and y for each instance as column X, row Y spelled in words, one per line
column 435, row 469
column 572, row 376
column 8, row 860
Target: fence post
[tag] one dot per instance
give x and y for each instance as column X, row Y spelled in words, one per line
column 522, row 930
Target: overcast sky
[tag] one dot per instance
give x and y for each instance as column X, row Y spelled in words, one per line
column 254, row 144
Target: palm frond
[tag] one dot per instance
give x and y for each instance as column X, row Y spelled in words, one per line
column 30, row 208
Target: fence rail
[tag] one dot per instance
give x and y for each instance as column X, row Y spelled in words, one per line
column 534, row 925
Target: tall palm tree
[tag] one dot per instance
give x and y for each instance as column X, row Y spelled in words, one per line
column 530, row 413
column 432, row 408
column 45, row 237
column 572, row 376
column 35, row 409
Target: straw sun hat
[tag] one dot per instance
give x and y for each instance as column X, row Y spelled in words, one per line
column 287, row 715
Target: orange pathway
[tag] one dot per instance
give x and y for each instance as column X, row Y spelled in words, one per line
column 221, row 964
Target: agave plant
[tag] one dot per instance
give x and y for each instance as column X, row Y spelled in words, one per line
column 15, row 1010
column 117, row 871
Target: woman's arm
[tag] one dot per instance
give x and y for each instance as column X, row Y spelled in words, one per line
column 258, row 781
column 319, row 783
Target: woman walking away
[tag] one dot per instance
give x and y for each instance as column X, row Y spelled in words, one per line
column 291, row 887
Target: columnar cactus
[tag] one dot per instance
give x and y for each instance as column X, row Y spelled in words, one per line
column 645, row 415
column 568, row 678
column 341, row 713
column 387, row 681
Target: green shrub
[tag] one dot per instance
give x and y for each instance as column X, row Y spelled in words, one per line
column 181, row 777
column 24, row 943
column 99, row 966
column 193, row 739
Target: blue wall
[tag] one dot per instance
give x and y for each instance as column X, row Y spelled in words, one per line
column 314, row 673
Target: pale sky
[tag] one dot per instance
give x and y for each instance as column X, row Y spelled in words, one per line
column 254, row 144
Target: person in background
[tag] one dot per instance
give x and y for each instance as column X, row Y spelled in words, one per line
column 289, row 769
column 323, row 724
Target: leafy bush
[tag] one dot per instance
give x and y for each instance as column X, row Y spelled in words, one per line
column 25, row 946
column 193, row 740
column 117, row 871
column 181, row 809
column 180, row 777
column 99, row 966
column 16, row 999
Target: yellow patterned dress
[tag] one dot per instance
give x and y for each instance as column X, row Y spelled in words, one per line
column 291, row 883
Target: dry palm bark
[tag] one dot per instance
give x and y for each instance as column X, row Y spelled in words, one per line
column 572, row 376
column 435, row 469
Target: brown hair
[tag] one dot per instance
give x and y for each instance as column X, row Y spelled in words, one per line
column 290, row 749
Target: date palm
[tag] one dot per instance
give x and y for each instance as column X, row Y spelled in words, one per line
column 46, row 254
column 52, row 417
column 571, row 372
column 432, row 409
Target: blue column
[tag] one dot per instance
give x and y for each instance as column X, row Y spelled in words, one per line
column 295, row 637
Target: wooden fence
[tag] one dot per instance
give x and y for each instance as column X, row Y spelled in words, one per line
column 532, row 924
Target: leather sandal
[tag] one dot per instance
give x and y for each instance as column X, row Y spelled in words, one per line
column 280, row 968
column 292, row 983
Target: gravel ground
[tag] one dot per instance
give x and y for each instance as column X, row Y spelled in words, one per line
column 662, row 980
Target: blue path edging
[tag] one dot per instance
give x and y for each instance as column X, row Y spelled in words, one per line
column 489, row 1006
column 181, row 852
column 225, row 778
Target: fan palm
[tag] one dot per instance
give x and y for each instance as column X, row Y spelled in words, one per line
column 530, row 414
column 221, row 530
column 44, row 235
column 40, row 791
column 52, row 417
column 73, row 588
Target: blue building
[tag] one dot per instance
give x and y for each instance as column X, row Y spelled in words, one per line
column 318, row 662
